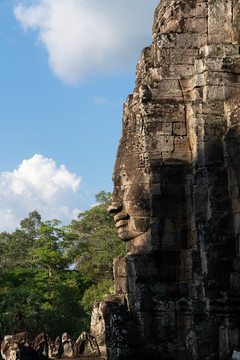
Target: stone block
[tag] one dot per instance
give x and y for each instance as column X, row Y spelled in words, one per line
column 235, row 283
column 236, row 35
column 156, row 190
column 157, row 206
column 236, row 206
column 213, row 50
column 181, row 144
column 167, row 89
column 232, row 64
column 234, row 117
column 171, row 240
column 233, row 192
column 121, row 285
column 177, row 158
column 181, row 41
column 200, row 66
column 174, row 191
column 196, row 25
column 213, row 92
column 219, row 192
column 200, row 79
column 213, row 153
column 175, row 175
column 200, row 198
column 212, row 107
column 175, row 210
column 237, row 223
column 160, row 127
column 163, row 143
column 120, row 267
column 141, row 266
column 173, row 226
column 178, row 56
column 178, row 71
column 219, row 21
column 179, row 128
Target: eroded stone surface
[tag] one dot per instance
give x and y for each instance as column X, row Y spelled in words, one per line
column 40, row 345
column 86, row 346
column 55, row 349
column 177, row 191
column 67, row 345
column 13, row 346
column 98, row 323
column 21, row 347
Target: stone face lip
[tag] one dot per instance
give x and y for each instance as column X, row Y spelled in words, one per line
column 176, row 199
column 21, row 347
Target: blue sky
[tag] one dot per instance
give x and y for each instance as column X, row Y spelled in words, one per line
column 67, row 67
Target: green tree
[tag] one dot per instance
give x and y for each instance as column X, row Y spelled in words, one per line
column 30, row 229
column 25, row 305
column 97, row 243
column 14, row 253
column 19, row 311
column 51, row 274
column 4, row 251
column 16, row 248
column 96, row 292
column 66, row 313
column 52, row 253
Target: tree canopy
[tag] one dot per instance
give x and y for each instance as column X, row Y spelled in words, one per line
column 51, row 274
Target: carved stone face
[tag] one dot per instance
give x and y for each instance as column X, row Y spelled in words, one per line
column 130, row 203
column 136, row 196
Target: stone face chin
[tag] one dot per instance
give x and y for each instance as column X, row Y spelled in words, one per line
column 177, row 191
column 132, row 228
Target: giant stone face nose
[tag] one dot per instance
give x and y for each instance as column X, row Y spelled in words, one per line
column 114, row 206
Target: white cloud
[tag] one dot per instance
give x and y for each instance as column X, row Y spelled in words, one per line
column 38, row 184
column 83, row 37
column 100, row 100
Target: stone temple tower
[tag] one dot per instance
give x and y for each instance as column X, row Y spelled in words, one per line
column 176, row 194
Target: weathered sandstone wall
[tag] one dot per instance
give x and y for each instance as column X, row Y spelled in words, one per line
column 177, row 191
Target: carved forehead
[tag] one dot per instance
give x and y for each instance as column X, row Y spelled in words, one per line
column 130, row 176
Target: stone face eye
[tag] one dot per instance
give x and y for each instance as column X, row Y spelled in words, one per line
column 123, row 178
